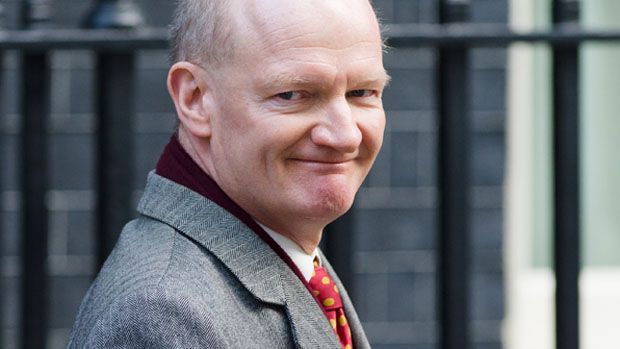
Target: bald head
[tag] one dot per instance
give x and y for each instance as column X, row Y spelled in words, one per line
column 297, row 105
column 204, row 31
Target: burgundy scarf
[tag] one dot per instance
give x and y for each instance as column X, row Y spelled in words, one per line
column 176, row 165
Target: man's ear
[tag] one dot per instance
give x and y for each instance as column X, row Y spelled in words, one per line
column 190, row 93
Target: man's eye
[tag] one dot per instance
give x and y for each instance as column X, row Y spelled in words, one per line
column 290, row 95
column 360, row 93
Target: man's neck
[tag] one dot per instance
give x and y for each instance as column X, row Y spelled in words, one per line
column 303, row 259
column 307, row 236
column 177, row 165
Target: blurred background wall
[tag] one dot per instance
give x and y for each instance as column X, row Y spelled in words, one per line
column 392, row 268
column 396, row 234
column 530, row 282
column 393, row 249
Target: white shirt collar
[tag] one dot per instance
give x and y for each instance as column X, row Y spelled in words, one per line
column 303, row 261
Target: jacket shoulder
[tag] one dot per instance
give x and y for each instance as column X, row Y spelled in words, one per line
column 159, row 288
column 138, row 262
column 150, row 318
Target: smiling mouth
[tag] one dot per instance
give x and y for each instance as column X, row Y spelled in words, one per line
column 324, row 162
column 324, row 167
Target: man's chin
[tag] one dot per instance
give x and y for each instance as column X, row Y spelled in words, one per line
column 330, row 204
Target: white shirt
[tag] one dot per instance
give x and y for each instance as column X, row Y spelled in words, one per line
column 303, row 261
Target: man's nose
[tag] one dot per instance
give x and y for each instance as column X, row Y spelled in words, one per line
column 338, row 128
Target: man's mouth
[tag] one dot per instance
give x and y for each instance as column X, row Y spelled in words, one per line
column 324, row 166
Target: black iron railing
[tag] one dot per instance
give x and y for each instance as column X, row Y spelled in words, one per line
column 453, row 39
column 453, row 271
column 567, row 256
column 35, row 107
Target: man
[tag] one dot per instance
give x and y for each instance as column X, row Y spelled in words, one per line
column 281, row 118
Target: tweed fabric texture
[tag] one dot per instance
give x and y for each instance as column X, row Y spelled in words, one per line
column 188, row 274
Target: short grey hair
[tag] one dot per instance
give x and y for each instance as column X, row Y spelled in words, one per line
column 201, row 32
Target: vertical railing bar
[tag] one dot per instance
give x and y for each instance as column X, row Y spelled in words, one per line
column 34, row 173
column 2, row 188
column 453, row 168
column 2, row 131
column 35, row 76
column 115, row 115
column 566, row 182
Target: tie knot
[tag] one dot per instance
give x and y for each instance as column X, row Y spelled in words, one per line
column 324, row 289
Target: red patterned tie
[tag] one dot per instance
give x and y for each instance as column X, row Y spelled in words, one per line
column 324, row 289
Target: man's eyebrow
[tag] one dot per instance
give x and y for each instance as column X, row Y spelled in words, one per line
column 287, row 80
column 277, row 81
column 382, row 78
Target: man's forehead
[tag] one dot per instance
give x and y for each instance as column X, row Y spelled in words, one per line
column 272, row 32
column 276, row 20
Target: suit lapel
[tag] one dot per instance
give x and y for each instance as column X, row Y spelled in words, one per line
column 261, row 271
column 308, row 322
column 246, row 256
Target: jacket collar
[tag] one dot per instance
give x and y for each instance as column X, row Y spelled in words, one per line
column 252, row 261
column 178, row 166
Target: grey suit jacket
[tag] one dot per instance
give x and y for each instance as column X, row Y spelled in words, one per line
column 188, row 274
